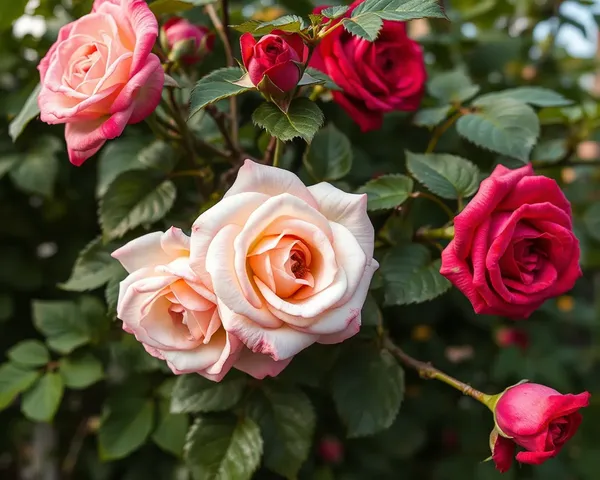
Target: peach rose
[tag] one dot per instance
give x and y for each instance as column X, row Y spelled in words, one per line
column 290, row 265
column 174, row 315
column 100, row 76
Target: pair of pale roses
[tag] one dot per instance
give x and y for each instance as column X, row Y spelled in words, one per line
column 271, row 269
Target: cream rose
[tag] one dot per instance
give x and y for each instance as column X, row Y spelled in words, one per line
column 289, row 265
column 174, row 315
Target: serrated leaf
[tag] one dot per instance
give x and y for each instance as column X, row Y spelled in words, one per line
column 94, row 267
column 538, row 96
column 387, row 191
column 430, row 117
column 171, row 430
column 216, row 86
column 329, row 155
column 80, row 372
column 194, row 393
column 411, row 277
column 591, row 219
column 323, row 78
column 14, row 379
column 29, row 353
column 29, row 111
column 62, row 325
column 335, row 11
column 303, row 119
column 223, row 448
column 286, row 419
column 41, row 402
column 125, row 428
column 445, row 175
column 118, row 156
column 159, row 156
column 452, row 87
column 502, row 125
column 367, row 26
column 133, row 199
column 367, row 387
column 286, row 23
column 550, row 151
column 36, row 171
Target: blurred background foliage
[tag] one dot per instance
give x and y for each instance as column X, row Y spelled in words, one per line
column 108, row 401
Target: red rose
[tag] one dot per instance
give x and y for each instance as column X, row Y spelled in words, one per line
column 537, row 418
column 198, row 39
column 509, row 336
column 278, row 57
column 377, row 77
column 331, row 450
column 513, row 246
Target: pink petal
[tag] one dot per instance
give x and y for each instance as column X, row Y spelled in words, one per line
column 258, row 365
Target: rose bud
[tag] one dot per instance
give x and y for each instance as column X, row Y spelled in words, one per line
column 537, row 418
column 331, row 450
column 276, row 62
column 185, row 41
column 507, row 337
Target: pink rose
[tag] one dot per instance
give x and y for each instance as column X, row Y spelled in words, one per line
column 179, row 31
column 376, row 77
column 278, row 57
column 290, row 265
column 100, row 76
column 514, row 245
column 174, row 315
column 509, row 336
column 537, row 418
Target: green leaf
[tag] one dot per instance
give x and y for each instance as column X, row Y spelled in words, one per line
column 367, row 387
column 591, row 219
column 14, row 379
column 216, row 86
column 111, row 293
column 286, row 23
column 125, row 428
column 445, row 175
column 286, row 419
column 538, row 96
column 303, row 119
column 29, row 353
column 61, row 323
column 133, row 199
column 502, row 125
column 371, row 315
column 329, row 156
column 10, row 11
column 411, row 277
column 323, row 78
column 194, row 393
column 430, row 117
column 452, row 87
column 223, row 448
column 8, row 162
column 94, row 267
column 367, row 18
column 41, row 402
column 159, row 156
column 335, row 11
column 166, row 7
column 29, row 111
column 171, row 430
column 550, row 151
column 36, row 172
column 80, row 372
column 387, row 191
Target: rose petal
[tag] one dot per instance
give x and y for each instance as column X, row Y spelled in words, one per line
column 258, row 365
column 504, row 451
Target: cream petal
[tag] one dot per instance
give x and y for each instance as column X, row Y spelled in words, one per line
column 279, row 343
column 220, row 265
column 259, row 366
column 261, row 266
column 143, row 252
column 272, row 181
column 163, row 330
column 349, row 210
column 189, row 298
column 175, row 243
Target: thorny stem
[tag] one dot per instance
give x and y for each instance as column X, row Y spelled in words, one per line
column 439, row 131
column 435, row 199
column 429, row 372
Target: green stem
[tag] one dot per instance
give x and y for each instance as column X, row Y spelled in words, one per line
column 429, row 372
column 444, row 233
column 435, row 199
column 439, row 131
column 279, row 147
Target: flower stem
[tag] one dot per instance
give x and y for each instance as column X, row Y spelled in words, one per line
column 444, row 233
column 439, row 131
column 279, row 147
column 435, row 199
column 429, row 372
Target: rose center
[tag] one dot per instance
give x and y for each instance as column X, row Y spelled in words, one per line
column 298, row 264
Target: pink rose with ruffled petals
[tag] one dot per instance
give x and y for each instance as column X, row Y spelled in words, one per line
column 100, row 76
column 290, row 265
column 174, row 315
column 513, row 245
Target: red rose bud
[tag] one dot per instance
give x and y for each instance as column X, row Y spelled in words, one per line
column 537, row 418
column 185, row 41
column 508, row 336
column 331, row 450
column 275, row 62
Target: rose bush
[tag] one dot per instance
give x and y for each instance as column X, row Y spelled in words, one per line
column 514, row 245
column 100, row 75
column 376, row 77
column 537, row 418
